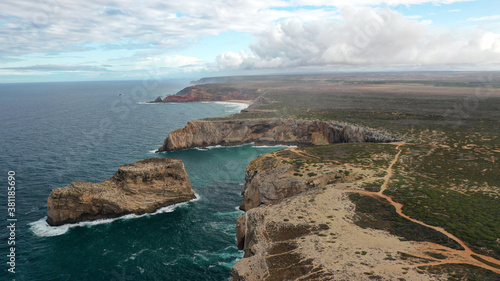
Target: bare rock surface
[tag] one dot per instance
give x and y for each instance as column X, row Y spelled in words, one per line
column 311, row 236
column 271, row 131
column 142, row 187
column 303, row 228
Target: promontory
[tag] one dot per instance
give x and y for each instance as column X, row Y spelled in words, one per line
column 270, row 131
column 139, row 188
column 395, row 176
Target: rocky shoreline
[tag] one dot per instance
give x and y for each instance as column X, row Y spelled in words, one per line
column 278, row 246
column 139, row 188
column 303, row 227
column 273, row 131
column 210, row 92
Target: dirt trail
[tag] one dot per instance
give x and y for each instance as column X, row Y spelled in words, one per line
column 460, row 256
column 453, row 256
column 388, row 175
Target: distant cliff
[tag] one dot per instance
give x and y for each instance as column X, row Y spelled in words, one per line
column 200, row 133
column 212, row 92
column 138, row 188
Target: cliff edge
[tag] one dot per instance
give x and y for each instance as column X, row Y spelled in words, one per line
column 309, row 217
column 212, row 92
column 138, row 188
column 273, row 131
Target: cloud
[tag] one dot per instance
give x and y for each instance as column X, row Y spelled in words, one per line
column 165, row 65
column 48, row 26
column 52, row 67
column 487, row 18
column 343, row 3
column 368, row 36
column 169, row 61
column 62, row 26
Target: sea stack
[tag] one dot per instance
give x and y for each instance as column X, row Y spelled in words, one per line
column 139, row 188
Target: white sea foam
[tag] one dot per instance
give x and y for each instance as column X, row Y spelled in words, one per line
column 233, row 105
column 279, row 145
column 42, row 229
column 148, row 102
column 134, row 255
column 236, row 213
column 245, row 144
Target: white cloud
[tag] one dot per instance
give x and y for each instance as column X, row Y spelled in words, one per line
column 368, row 36
column 289, row 33
column 175, row 61
column 43, row 26
column 372, row 2
column 426, row 22
column 50, row 25
column 487, row 18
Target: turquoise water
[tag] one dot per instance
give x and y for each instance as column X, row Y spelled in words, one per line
column 55, row 133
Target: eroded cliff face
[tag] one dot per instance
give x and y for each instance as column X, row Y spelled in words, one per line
column 201, row 133
column 269, row 179
column 138, row 188
column 212, row 92
column 301, row 226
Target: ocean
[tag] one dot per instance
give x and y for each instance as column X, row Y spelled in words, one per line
column 54, row 133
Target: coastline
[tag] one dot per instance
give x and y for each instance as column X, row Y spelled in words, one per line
column 238, row 101
column 252, row 229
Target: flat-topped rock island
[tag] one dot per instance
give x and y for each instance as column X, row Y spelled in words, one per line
column 139, row 188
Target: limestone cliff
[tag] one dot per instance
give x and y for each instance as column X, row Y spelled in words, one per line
column 138, row 188
column 300, row 224
column 212, row 92
column 269, row 180
column 274, row 131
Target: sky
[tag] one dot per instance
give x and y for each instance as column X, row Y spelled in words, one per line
column 64, row 40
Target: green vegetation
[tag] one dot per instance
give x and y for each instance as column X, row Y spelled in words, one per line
column 485, row 261
column 379, row 214
column 459, row 272
column 448, row 172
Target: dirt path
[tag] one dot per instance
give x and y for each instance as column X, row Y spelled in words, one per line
column 459, row 256
column 388, row 175
column 453, row 256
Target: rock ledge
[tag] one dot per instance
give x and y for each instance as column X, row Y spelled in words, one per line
column 272, row 131
column 138, row 188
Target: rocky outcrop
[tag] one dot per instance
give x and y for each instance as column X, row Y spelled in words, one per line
column 158, row 99
column 301, row 226
column 264, row 187
column 200, row 133
column 212, row 92
column 138, row 188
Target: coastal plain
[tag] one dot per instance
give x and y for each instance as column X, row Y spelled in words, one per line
column 422, row 207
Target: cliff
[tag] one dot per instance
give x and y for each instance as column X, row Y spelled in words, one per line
column 201, row 133
column 301, row 222
column 138, row 188
column 212, row 92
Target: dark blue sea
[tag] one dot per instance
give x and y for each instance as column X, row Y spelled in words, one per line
column 54, row 133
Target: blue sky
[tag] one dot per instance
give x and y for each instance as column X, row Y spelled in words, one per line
column 52, row 40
